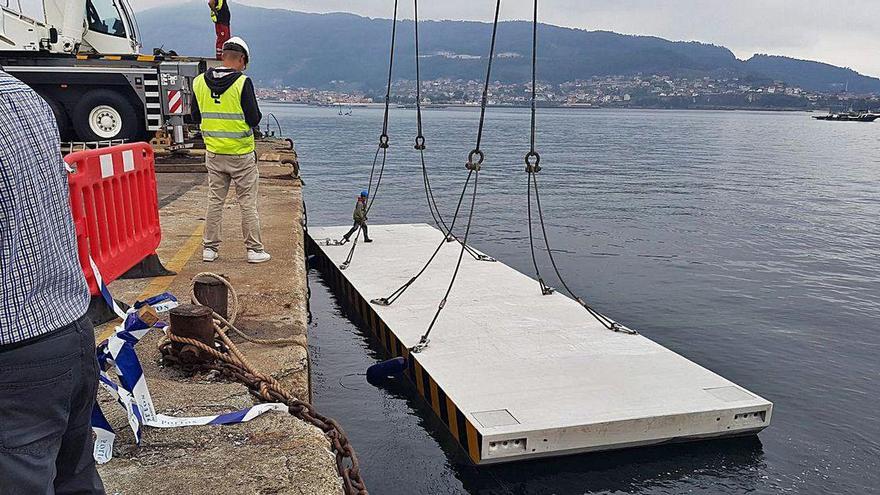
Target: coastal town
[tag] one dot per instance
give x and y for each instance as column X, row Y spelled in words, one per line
column 637, row 91
column 236, row 259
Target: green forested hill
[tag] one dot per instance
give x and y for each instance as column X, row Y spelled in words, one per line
column 300, row 49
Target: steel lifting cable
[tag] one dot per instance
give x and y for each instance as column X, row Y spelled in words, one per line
column 474, row 162
column 389, row 300
column 383, row 138
column 384, row 143
column 420, row 147
column 533, row 160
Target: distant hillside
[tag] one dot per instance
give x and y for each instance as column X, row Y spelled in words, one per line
column 812, row 75
column 311, row 50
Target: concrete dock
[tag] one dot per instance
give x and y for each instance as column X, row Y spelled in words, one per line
column 275, row 453
column 516, row 375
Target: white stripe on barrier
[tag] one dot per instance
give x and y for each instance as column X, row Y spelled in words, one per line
column 127, row 161
column 106, row 166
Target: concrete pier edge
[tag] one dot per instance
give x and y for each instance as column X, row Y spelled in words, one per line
column 275, row 453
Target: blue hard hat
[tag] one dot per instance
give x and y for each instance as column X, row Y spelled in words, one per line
column 365, row 193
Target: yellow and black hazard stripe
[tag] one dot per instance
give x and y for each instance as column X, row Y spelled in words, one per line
column 134, row 58
column 459, row 426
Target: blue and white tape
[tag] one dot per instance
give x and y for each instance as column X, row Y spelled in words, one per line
column 131, row 391
column 105, row 292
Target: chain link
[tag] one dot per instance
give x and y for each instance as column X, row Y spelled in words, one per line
column 232, row 365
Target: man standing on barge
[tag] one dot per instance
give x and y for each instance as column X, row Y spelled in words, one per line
column 360, row 218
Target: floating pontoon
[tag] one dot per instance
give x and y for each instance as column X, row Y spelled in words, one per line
column 515, row 374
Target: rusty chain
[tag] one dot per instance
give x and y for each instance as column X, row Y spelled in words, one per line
column 232, row 364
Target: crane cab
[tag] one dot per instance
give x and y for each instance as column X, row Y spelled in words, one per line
column 83, row 57
column 70, row 27
column 110, row 28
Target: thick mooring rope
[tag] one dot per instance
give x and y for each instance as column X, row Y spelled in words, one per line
column 231, row 363
column 233, row 313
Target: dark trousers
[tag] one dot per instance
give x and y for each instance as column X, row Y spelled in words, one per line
column 47, row 390
column 354, row 229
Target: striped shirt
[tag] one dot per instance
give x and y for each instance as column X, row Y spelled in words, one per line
column 42, row 287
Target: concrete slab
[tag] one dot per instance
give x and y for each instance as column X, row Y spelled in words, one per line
column 517, row 375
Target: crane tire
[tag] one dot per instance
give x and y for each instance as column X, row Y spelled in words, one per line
column 61, row 117
column 102, row 114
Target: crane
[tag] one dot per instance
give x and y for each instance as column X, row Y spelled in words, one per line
column 84, row 58
column 70, row 27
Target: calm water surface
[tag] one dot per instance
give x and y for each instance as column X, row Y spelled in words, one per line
column 748, row 242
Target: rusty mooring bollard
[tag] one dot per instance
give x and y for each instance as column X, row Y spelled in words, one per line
column 192, row 322
column 212, row 293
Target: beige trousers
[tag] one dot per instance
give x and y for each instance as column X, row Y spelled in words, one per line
column 241, row 170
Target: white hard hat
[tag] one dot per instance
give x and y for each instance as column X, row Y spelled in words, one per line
column 237, row 44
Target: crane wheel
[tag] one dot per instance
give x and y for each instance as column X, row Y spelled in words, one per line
column 61, row 117
column 102, row 114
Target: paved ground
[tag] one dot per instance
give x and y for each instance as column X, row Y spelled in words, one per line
column 275, row 453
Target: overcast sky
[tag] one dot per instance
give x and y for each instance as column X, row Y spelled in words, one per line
column 841, row 32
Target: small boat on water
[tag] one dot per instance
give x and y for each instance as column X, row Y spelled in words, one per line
column 849, row 117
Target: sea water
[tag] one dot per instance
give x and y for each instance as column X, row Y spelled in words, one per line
column 747, row 242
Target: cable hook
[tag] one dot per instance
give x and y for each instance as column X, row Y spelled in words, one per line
column 474, row 164
column 533, row 162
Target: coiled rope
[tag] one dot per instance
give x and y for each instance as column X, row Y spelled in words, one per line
column 231, row 363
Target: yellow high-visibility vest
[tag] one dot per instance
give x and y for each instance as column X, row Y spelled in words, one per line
column 217, row 7
column 224, row 128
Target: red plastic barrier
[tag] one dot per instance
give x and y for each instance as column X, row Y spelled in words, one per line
column 115, row 208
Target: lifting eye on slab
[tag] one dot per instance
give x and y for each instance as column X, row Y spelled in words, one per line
column 545, row 289
column 421, row 346
column 333, row 242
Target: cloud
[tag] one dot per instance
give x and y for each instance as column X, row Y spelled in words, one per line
column 833, row 31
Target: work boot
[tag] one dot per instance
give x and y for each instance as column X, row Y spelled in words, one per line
column 209, row 255
column 258, row 256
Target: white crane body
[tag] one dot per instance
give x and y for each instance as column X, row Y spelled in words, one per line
column 84, row 57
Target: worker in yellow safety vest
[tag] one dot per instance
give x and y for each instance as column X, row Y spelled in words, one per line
column 226, row 107
column 220, row 15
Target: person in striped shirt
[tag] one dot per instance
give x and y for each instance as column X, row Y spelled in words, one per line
column 48, row 370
